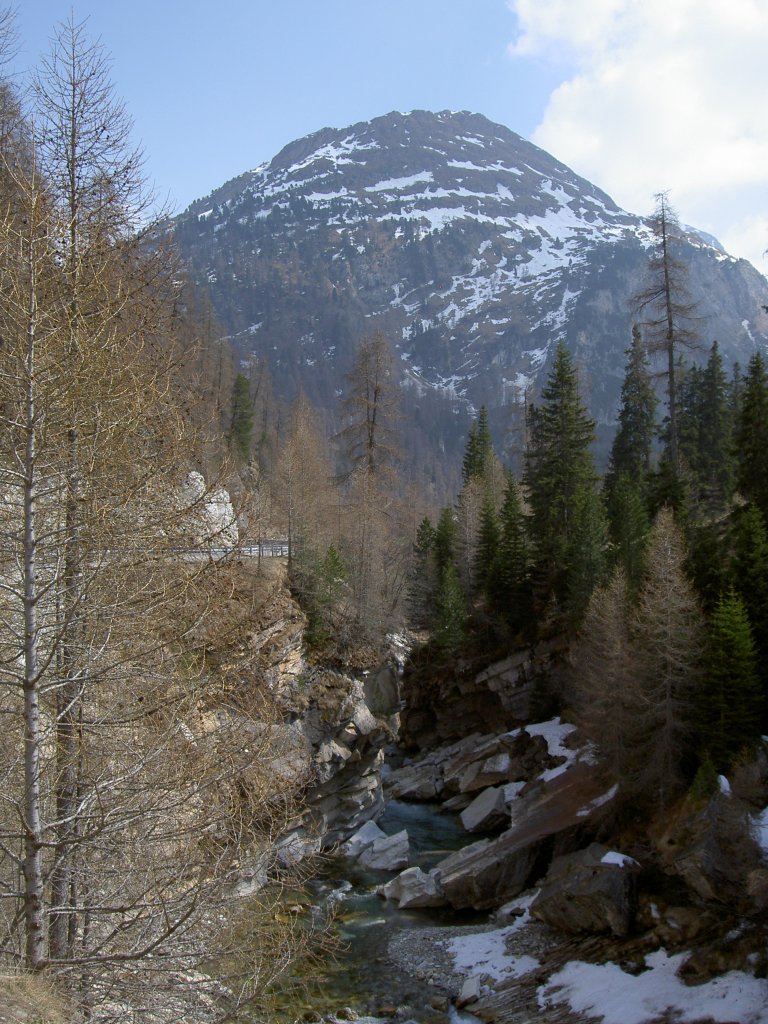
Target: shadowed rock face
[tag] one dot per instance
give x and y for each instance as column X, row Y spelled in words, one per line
column 593, row 890
column 711, row 846
column 443, row 706
column 471, row 249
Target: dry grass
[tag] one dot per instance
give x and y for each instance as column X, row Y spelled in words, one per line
column 28, row 999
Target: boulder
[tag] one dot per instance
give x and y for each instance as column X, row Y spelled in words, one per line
column 554, row 817
column 415, row 782
column 362, row 839
column 484, row 874
column 712, row 849
column 487, row 812
column 391, row 853
column 465, row 762
column 470, row 992
column 529, row 755
column 593, row 890
column 414, row 888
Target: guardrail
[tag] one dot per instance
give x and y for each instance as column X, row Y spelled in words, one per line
column 266, row 549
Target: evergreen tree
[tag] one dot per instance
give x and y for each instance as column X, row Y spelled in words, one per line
column 322, row 583
column 630, row 527
column 631, row 449
column 751, row 436
column 715, row 459
column 477, row 504
column 731, row 705
column 450, row 623
column 559, row 466
column 422, row 583
column 510, row 584
column 705, row 426
column 445, row 540
column 749, row 575
column 470, row 460
column 479, row 449
column 242, row 417
column 735, row 394
column 487, row 547
column 707, row 560
column 587, row 556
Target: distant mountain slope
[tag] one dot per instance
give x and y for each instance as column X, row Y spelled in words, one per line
column 470, row 248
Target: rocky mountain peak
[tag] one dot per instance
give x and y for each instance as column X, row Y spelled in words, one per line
column 474, row 252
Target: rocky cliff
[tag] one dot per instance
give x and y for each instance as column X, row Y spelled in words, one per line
column 322, row 730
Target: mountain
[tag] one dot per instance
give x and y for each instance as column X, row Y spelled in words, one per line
column 471, row 249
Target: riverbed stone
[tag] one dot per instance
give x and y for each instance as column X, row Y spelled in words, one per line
column 487, row 812
column 362, row 839
column 470, row 992
column 391, row 853
column 414, row 888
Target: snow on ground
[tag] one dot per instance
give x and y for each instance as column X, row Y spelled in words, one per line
column 554, row 732
column 395, row 184
column 484, row 953
column 609, row 993
column 619, row 998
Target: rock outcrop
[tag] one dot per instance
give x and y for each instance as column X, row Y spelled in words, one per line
column 592, row 890
column 326, row 730
column 711, row 847
column 447, row 707
column 549, row 802
column 471, row 765
column 554, row 818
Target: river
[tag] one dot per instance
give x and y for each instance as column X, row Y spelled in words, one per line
column 361, row 977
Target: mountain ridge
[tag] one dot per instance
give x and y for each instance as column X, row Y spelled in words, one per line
column 470, row 248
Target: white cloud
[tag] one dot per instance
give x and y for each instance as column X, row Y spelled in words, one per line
column 661, row 95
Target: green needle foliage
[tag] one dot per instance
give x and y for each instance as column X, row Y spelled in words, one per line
column 751, row 436
column 636, row 427
column 559, row 466
column 731, row 704
column 242, row 417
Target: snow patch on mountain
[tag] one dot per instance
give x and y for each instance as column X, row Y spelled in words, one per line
column 395, row 184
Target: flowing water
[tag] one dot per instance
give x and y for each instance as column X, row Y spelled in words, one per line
column 361, row 977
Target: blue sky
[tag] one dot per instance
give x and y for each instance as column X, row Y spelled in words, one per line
column 216, row 89
column 637, row 95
